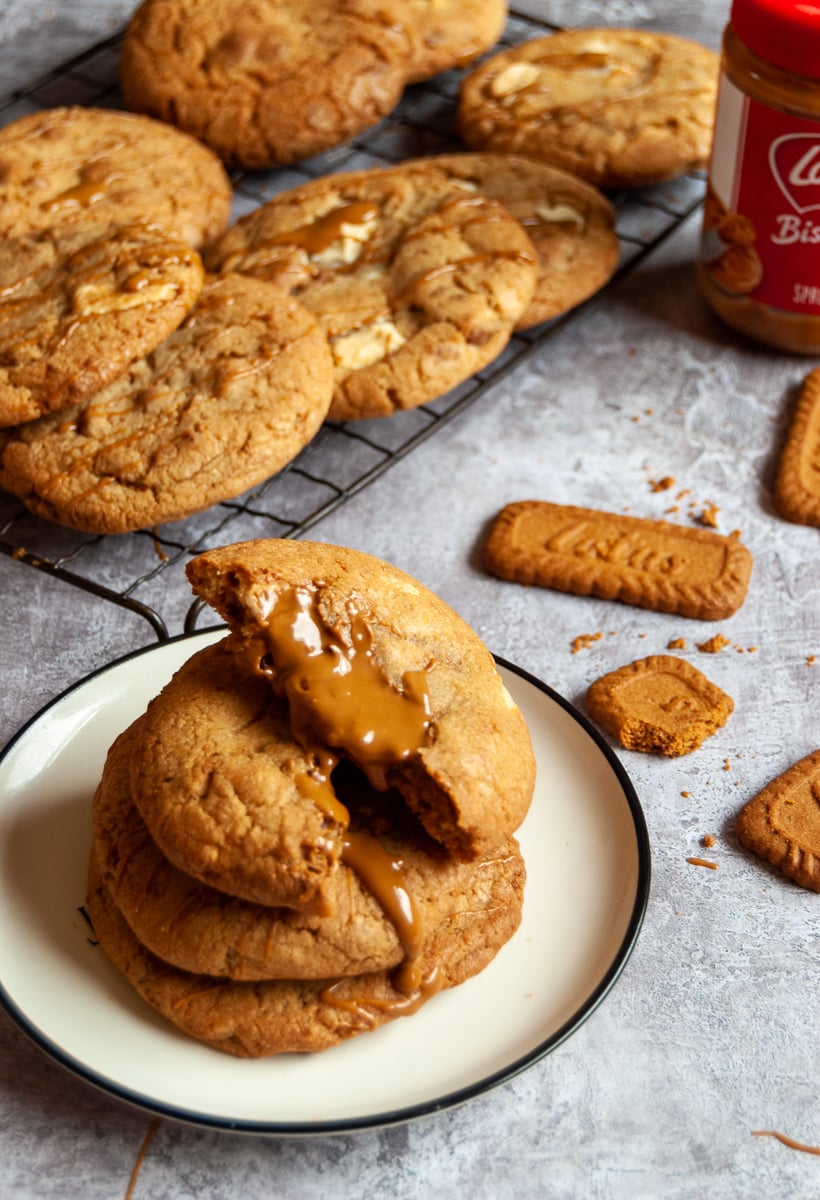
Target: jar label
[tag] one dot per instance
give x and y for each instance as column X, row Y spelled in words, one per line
column 761, row 223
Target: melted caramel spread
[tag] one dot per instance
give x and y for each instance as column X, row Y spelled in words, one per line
column 319, row 235
column 340, row 702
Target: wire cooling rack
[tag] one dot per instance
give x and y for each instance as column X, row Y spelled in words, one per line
column 131, row 570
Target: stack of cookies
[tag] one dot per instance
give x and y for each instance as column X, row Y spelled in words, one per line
column 310, row 830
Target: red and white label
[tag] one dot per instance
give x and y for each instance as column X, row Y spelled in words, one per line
column 766, row 167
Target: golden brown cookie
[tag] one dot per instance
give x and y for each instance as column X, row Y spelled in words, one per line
column 78, row 305
column 417, row 282
column 378, row 670
column 224, row 402
column 797, row 487
column 450, row 33
column 651, row 564
column 72, row 166
column 265, row 82
column 199, row 929
column 570, row 223
column 252, row 1020
column 619, row 107
column 782, row 822
column 660, row 705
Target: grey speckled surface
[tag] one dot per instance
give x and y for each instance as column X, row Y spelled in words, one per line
column 711, row 1032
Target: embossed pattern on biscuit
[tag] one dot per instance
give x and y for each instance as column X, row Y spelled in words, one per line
column 77, row 306
column 781, row 824
column 651, row 564
column 659, row 705
column 797, row 487
column 618, row 107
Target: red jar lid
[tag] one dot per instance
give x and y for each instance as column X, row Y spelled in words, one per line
column 783, row 32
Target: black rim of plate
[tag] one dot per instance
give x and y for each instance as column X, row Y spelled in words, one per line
column 397, row 1116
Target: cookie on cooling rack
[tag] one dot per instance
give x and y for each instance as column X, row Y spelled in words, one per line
column 72, row 166
column 619, row 107
column 450, row 33
column 78, row 305
column 570, row 223
column 417, row 282
column 225, row 401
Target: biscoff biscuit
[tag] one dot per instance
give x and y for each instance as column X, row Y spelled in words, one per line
column 199, row 929
column 266, row 82
column 651, row 564
column 75, row 166
column 659, row 705
column 781, row 824
column 78, row 305
column 255, row 1019
column 570, row 223
column 619, row 107
column 417, row 283
column 797, row 486
column 418, row 703
column 225, row 401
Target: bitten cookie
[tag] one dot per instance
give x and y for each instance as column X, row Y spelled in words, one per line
column 77, row 306
column 570, row 223
column 781, row 824
column 797, row 487
column 417, row 282
column 619, row 107
column 660, row 705
column 72, row 166
column 379, row 670
column 251, row 1020
column 651, row 564
column 225, row 401
column 265, row 82
column 199, row 929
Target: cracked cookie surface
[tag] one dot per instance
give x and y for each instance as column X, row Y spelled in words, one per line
column 618, row 107
column 417, row 282
column 223, row 402
column 78, row 305
column 71, row 166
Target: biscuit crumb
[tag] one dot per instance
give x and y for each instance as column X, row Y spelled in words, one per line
column 686, row 795
column 584, row 640
column 678, row 643
column 661, row 485
column 708, row 515
column 811, row 660
column 707, row 840
column 727, row 765
column 703, row 862
column 714, row 644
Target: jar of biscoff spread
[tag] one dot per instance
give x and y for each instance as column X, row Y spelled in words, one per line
column 759, row 261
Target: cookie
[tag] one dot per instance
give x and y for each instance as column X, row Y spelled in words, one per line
column 417, row 283
column 781, row 824
column 450, row 33
column 651, row 564
column 224, row 401
column 660, row 705
column 266, row 82
column 199, row 929
column 378, row 670
column 619, row 107
column 72, row 166
column 77, row 306
column 251, row 1020
column 570, row 223
column 797, row 486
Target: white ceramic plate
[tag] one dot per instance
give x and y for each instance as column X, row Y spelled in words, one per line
column 587, row 856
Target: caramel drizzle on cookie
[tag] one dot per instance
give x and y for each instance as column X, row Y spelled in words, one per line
column 341, row 703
